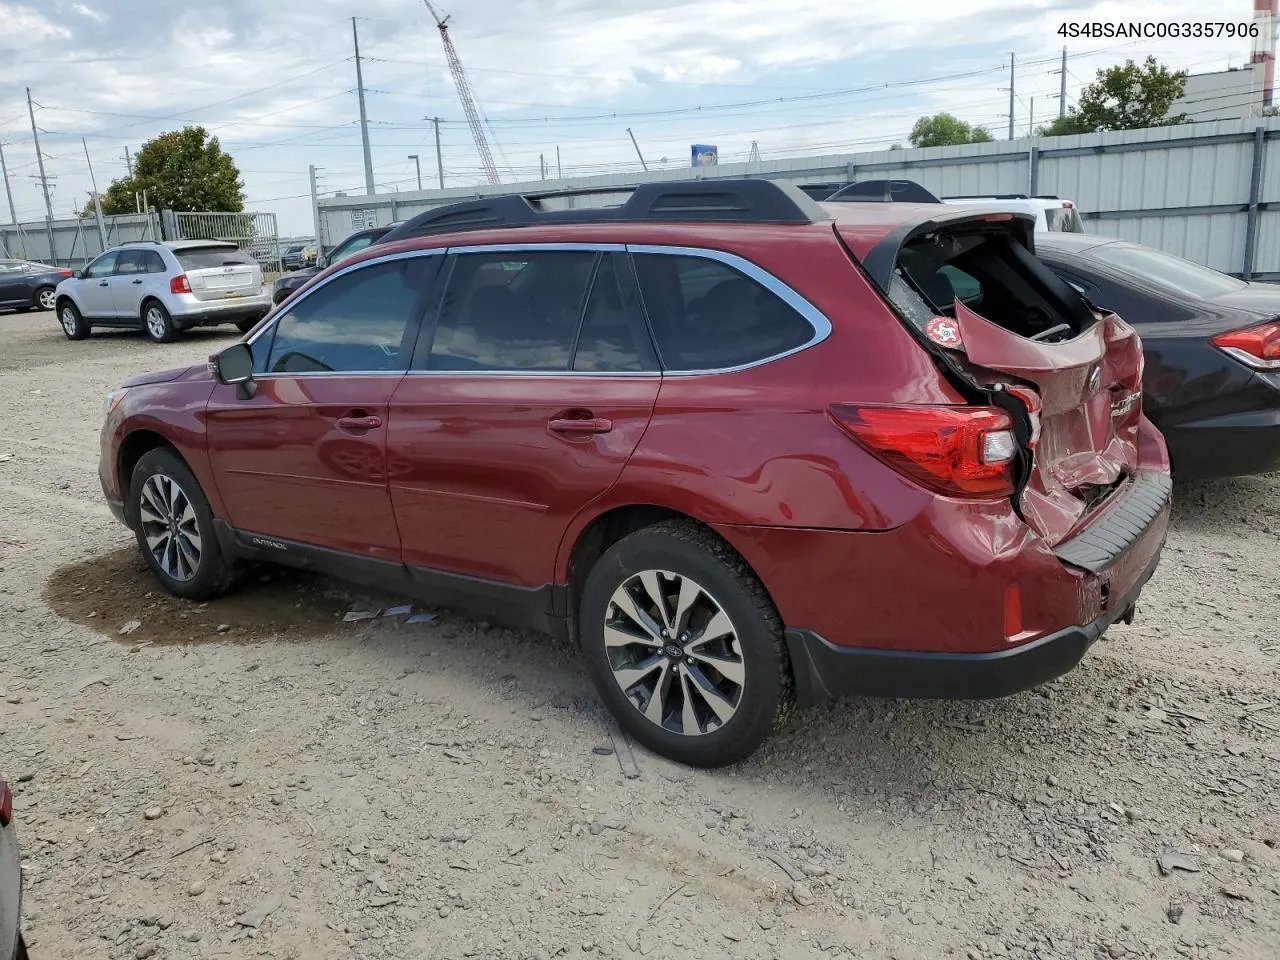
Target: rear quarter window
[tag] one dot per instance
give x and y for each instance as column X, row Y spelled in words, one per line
column 707, row 315
column 205, row 258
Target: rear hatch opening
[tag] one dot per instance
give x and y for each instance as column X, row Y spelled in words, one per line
column 1030, row 343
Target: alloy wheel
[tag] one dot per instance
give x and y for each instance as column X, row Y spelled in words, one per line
column 155, row 322
column 46, row 299
column 170, row 527
column 674, row 652
column 68, row 320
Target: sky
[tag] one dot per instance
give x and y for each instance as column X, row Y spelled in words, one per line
column 275, row 82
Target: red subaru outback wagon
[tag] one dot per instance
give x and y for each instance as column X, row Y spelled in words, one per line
column 748, row 450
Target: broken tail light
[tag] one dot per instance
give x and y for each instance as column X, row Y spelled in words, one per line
column 1257, row 347
column 957, row 451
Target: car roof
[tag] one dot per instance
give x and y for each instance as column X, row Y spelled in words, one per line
column 1071, row 243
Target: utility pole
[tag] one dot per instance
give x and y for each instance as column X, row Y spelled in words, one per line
column 418, row 166
column 1010, row 96
column 128, row 162
column 364, row 118
column 4, row 171
column 559, row 172
column 97, row 202
column 439, row 159
column 315, row 202
column 637, row 146
column 1062, row 89
column 44, row 180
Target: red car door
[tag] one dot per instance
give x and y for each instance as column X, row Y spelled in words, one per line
column 527, row 397
column 304, row 458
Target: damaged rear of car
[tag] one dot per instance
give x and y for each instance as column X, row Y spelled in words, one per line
column 1051, row 427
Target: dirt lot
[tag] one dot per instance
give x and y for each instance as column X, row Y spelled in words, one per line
column 255, row 777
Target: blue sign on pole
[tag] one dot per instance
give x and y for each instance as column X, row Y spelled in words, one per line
column 705, row 155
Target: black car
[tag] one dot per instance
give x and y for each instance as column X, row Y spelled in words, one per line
column 29, row 286
column 1211, row 343
column 290, row 282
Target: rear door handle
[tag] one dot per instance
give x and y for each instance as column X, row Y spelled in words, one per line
column 359, row 424
column 574, row 425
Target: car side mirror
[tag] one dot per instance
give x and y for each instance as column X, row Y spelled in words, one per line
column 321, row 262
column 234, row 366
column 77, row 274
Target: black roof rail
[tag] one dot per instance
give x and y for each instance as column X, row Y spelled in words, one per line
column 883, row 191
column 675, row 201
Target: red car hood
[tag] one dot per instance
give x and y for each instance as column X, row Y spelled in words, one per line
column 196, row 372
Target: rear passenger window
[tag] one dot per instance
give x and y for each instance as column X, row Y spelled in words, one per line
column 361, row 322
column 511, row 311
column 708, row 316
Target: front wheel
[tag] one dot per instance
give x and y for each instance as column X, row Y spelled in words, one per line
column 685, row 646
column 73, row 324
column 174, row 526
column 157, row 322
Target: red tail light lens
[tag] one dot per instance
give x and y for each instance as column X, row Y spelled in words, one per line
column 180, row 284
column 1258, row 347
column 957, row 451
column 65, row 273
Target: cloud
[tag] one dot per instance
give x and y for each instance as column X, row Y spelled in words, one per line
column 272, row 80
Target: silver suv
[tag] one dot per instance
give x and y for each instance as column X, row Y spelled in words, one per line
column 164, row 288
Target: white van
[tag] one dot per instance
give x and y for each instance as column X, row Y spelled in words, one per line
column 1052, row 214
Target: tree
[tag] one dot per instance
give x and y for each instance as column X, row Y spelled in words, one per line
column 942, row 130
column 1124, row 98
column 183, row 170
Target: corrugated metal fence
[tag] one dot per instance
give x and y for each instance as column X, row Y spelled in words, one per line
column 1209, row 192
column 75, row 241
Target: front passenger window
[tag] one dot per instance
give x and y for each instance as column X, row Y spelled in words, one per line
column 360, row 322
column 102, row 267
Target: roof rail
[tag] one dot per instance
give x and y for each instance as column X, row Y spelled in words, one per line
column 676, row 201
column 883, row 191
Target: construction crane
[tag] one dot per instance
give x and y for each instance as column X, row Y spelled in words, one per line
column 465, row 95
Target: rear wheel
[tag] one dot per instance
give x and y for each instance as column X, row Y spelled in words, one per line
column 174, row 527
column 157, row 322
column 45, row 299
column 685, row 646
column 73, row 325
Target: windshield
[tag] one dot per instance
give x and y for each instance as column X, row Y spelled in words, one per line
column 1063, row 220
column 351, row 246
column 1166, row 270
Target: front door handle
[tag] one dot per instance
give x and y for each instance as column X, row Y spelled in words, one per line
column 102, row 283
column 137, row 281
column 359, row 424
column 574, row 425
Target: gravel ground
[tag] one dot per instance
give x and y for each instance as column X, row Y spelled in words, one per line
column 254, row 777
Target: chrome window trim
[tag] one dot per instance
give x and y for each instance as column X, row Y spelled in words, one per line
column 816, row 319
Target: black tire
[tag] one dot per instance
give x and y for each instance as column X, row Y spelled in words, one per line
column 43, row 299
column 211, row 574
column 244, row 326
column 156, row 322
column 74, row 326
column 766, row 694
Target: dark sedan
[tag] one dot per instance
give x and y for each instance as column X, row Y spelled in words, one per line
column 1211, row 342
column 29, row 286
column 290, row 282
